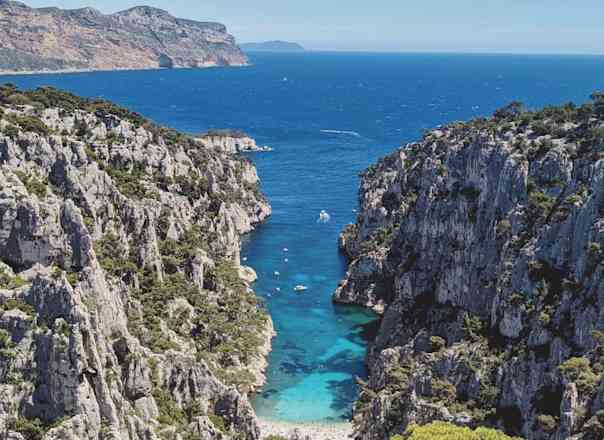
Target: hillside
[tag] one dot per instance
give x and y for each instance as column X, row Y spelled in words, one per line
column 51, row 39
column 124, row 310
column 482, row 247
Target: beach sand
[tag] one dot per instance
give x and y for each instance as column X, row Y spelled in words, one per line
column 314, row 431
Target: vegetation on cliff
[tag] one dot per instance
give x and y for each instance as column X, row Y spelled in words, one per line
column 122, row 311
column 481, row 245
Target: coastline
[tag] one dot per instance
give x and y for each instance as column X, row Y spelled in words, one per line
column 116, row 69
column 259, row 363
column 304, row 430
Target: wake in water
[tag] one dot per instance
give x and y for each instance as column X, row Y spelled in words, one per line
column 344, row 132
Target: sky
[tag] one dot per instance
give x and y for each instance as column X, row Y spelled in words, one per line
column 516, row 26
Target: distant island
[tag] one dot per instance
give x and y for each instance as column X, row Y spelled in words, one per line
column 272, row 46
column 53, row 39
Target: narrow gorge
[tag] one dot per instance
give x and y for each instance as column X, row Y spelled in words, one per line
column 145, row 275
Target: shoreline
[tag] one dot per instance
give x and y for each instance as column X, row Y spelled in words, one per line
column 303, row 430
column 116, row 69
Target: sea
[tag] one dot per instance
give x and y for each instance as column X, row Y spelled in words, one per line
column 327, row 116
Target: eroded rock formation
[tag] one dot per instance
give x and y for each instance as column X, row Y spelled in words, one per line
column 482, row 246
column 122, row 311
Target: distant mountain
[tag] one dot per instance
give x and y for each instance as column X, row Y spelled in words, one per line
column 142, row 37
column 272, row 46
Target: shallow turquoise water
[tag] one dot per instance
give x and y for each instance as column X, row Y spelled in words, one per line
column 288, row 101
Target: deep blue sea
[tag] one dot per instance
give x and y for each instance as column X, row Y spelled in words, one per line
column 328, row 116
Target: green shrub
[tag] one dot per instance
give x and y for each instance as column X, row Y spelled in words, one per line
column 444, row 391
column 579, row 370
column 11, row 131
column 14, row 304
column 473, row 326
column 10, row 282
column 540, row 204
column 33, row 185
column 131, row 183
column 437, row 343
column 30, row 429
column 169, row 411
column 448, row 431
column 113, row 255
column 218, row 422
column 29, row 124
column 547, row 423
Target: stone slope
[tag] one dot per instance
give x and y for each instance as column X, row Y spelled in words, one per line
column 482, row 246
column 50, row 39
column 124, row 311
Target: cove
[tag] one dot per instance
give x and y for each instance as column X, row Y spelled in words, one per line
column 328, row 116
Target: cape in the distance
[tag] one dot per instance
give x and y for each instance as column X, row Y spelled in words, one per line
column 53, row 39
column 272, row 46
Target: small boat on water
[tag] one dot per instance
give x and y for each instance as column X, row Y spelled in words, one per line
column 300, row 288
column 324, row 217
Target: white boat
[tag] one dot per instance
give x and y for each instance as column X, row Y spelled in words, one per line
column 324, row 217
column 277, row 274
column 300, row 288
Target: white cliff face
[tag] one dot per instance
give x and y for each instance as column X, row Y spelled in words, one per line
column 481, row 246
column 122, row 314
column 231, row 143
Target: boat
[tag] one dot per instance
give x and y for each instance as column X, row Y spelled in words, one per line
column 300, row 288
column 324, row 217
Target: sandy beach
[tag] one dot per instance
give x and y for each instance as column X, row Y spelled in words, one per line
column 314, row 431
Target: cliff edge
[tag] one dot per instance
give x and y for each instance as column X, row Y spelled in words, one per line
column 482, row 246
column 124, row 310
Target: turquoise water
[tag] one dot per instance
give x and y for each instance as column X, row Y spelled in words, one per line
column 289, row 101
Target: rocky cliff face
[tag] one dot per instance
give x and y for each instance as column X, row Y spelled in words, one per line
column 482, row 246
column 138, row 38
column 124, row 311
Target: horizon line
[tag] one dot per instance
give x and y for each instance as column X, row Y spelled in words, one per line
column 430, row 52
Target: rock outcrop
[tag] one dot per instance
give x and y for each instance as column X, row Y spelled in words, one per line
column 123, row 314
column 231, row 141
column 50, row 39
column 482, row 247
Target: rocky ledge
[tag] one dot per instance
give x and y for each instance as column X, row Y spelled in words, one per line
column 124, row 311
column 52, row 39
column 231, row 141
column 482, row 246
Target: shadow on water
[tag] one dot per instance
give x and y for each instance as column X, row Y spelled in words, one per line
column 344, row 392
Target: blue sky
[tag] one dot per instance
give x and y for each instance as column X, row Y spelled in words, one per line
column 532, row 26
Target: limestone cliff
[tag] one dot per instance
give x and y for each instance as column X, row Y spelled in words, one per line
column 49, row 39
column 483, row 247
column 124, row 311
